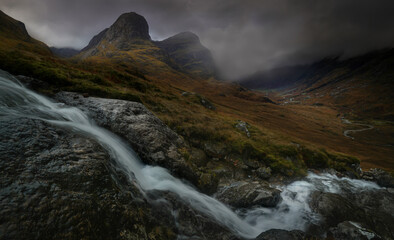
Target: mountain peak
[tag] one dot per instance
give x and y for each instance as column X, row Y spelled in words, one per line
column 129, row 26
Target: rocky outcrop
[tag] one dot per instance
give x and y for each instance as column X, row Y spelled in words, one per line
column 154, row 142
column 128, row 31
column 129, row 27
column 58, row 185
column 379, row 176
column 373, row 209
column 243, row 126
column 246, row 194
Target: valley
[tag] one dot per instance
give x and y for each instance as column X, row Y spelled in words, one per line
column 135, row 138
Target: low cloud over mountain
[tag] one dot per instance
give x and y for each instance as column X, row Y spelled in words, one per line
column 244, row 36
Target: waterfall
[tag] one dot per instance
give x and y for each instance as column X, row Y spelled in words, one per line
column 292, row 213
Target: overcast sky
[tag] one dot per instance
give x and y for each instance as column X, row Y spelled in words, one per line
column 244, row 36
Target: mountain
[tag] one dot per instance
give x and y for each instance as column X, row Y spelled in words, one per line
column 128, row 40
column 188, row 52
column 129, row 28
column 13, row 28
column 217, row 119
column 14, row 36
column 64, row 52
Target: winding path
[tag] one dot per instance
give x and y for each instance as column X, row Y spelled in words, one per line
column 347, row 132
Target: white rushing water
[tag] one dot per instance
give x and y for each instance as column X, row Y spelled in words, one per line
column 292, row 213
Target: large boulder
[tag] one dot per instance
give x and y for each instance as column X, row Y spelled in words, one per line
column 56, row 184
column 155, row 143
column 373, row 209
column 245, row 194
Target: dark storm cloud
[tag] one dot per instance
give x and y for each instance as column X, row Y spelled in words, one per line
column 244, row 35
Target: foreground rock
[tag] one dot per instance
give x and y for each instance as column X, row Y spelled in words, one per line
column 245, row 194
column 56, row 184
column 379, row 176
column 373, row 209
column 155, row 143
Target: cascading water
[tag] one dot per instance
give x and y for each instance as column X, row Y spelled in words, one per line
column 292, row 213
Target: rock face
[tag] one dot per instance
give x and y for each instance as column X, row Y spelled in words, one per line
column 128, row 29
column 188, row 52
column 128, row 26
column 154, row 142
column 373, row 209
column 248, row 194
column 379, row 176
column 58, row 185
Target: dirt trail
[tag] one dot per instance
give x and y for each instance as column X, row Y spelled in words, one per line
column 347, row 132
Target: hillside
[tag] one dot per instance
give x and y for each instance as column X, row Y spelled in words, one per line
column 240, row 129
column 188, row 53
column 64, row 52
column 360, row 86
column 14, row 36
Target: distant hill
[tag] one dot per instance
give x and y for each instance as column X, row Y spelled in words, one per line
column 188, row 52
column 64, row 52
column 128, row 39
column 13, row 35
column 360, row 85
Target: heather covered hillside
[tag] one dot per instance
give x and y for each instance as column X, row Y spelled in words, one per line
column 144, row 134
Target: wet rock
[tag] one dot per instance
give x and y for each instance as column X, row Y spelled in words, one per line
column 56, row 184
column 379, row 176
column 351, row 230
column 32, row 83
column 154, row 142
column 374, row 209
column 208, row 182
column 245, row 194
column 264, row 172
column 278, row 234
column 192, row 224
column 244, row 127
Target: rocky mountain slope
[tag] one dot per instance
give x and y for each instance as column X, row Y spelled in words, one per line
column 188, row 53
column 128, row 39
